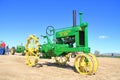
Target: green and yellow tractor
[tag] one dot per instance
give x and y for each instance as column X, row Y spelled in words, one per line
column 73, row 39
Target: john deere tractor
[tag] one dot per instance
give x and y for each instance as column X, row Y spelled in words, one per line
column 73, row 39
column 18, row 49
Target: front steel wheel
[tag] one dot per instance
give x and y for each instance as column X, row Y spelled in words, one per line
column 32, row 50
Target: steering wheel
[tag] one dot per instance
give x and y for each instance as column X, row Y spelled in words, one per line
column 50, row 30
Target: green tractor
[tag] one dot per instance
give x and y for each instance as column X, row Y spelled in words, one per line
column 73, row 39
column 18, row 49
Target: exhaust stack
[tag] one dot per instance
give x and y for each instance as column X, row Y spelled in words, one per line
column 74, row 18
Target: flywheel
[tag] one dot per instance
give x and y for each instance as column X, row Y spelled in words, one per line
column 61, row 60
column 32, row 50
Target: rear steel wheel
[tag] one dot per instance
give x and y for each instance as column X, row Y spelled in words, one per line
column 32, row 50
column 95, row 62
column 83, row 64
column 62, row 59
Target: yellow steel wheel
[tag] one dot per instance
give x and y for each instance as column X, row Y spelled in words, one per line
column 95, row 62
column 32, row 50
column 83, row 64
column 62, row 59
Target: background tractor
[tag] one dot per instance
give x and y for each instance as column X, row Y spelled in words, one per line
column 18, row 49
column 73, row 39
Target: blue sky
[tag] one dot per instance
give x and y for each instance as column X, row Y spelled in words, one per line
column 20, row 18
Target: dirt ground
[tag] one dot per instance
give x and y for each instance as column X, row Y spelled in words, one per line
column 12, row 67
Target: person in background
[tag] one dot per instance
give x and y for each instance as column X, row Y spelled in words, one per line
column 3, row 46
column 112, row 55
column 7, row 50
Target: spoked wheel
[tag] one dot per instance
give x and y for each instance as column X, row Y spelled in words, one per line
column 84, row 64
column 32, row 50
column 95, row 62
column 62, row 59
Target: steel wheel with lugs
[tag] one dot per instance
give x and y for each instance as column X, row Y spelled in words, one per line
column 84, row 64
column 95, row 62
column 32, row 50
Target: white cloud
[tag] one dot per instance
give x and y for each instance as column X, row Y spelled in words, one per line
column 103, row 37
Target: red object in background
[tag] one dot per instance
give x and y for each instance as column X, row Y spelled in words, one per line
column 3, row 44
